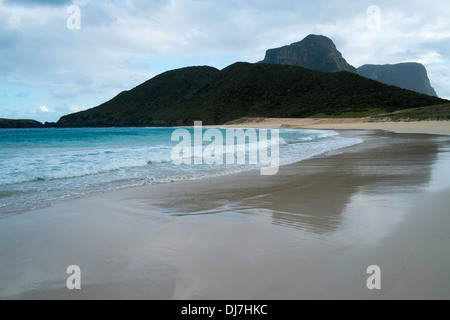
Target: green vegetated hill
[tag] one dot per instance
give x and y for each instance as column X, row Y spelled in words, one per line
column 9, row 123
column 180, row 97
column 148, row 103
column 437, row 112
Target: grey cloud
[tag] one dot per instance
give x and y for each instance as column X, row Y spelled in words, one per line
column 440, row 46
column 94, row 15
column 54, row 3
column 8, row 37
column 5, row 69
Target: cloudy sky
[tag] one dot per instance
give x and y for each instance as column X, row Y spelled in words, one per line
column 54, row 61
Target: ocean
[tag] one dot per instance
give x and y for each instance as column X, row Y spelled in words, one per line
column 41, row 167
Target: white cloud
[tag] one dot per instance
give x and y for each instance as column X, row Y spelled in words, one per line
column 44, row 109
column 75, row 108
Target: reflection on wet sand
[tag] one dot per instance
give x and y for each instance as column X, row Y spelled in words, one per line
column 312, row 195
column 320, row 201
column 309, row 232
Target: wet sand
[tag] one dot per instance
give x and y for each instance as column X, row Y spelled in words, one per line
column 309, row 232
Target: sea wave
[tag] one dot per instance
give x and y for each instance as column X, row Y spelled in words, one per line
column 32, row 176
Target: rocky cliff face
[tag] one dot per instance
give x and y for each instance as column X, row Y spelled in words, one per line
column 315, row 52
column 411, row 76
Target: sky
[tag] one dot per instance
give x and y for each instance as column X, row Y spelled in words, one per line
column 62, row 56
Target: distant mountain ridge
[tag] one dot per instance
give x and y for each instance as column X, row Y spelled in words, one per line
column 307, row 78
column 179, row 97
column 315, row 52
column 410, row 75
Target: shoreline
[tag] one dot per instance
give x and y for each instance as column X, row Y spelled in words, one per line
column 99, row 192
column 437, row 127
column 297, row 235
column 425, row 127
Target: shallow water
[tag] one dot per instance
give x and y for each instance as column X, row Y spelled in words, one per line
column 40, row 167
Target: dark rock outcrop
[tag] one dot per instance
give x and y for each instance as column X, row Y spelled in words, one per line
column 410, row 75
column 315, row 52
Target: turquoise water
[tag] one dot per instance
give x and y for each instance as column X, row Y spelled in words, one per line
column 40, row 167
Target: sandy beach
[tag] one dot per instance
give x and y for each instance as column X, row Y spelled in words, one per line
column 427, row 127
column 309, row 232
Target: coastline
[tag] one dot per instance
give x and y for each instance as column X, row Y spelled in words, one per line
column 309, row 232
column 426, row 127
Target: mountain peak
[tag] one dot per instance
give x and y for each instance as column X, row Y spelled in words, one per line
column 313, row 39
column 315, row 52
column 408, row 75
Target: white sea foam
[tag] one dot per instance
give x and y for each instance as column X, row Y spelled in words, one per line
column 59, row 165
